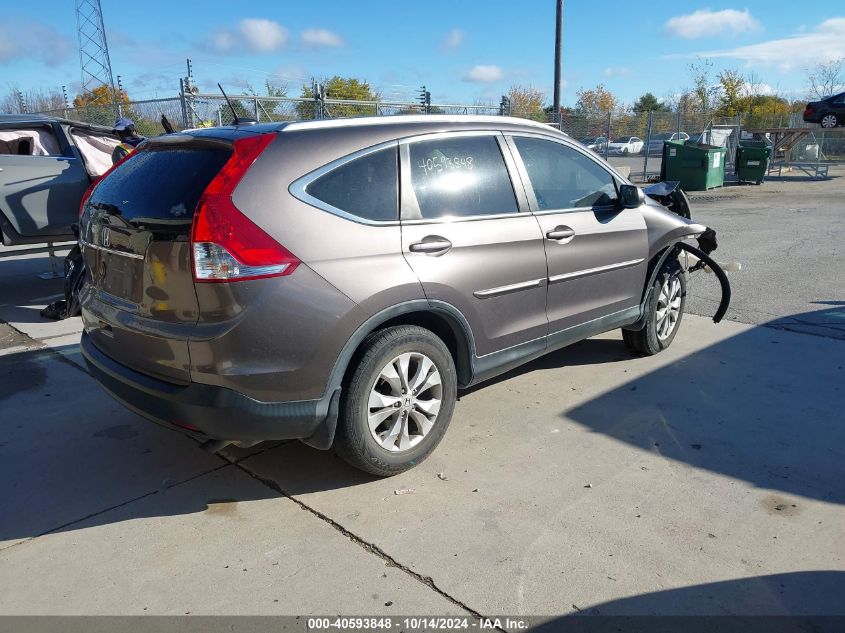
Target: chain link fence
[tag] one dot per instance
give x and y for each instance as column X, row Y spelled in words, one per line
column 146, row 114
column 641, row 158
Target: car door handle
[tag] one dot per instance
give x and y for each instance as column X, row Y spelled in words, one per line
column 431, row 245
column 560, row 233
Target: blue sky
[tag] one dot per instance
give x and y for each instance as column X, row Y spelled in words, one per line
column 466, row 51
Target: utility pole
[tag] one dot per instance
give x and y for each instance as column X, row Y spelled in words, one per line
column 425, row 100
column 65, row 101
column 558, row 37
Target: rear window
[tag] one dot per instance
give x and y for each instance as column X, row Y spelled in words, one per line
column 366, row 187
column 161, row 185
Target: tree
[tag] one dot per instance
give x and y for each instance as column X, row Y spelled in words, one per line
column 733, row 91
column 649, row 103
column 100, row 96
column 269, row 108
column 39, row 100
column 527, row 102
column 826, row 78
column 343, row 88
column 596, row 102
column 704, row 91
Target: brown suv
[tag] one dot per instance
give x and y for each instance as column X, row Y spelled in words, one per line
column 338, row 281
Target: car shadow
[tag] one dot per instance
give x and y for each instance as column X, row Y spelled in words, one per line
column 778, row 602
column 758, row 407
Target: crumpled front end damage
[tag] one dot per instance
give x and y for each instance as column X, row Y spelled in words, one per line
column 668, row 219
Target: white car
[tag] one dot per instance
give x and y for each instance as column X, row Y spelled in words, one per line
column 655, row 145
column 625, row 145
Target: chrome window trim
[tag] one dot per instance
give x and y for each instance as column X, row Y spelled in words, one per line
column 105, row 249
column 461, row 218
column 410, row 212
column 503, row 290
column 594, row 271
column 299, row 187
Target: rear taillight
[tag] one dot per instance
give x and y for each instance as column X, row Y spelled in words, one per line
column 97, row 180
column 808, row 111
column 227, row 245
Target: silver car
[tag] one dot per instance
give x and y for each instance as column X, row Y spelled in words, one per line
column 46, row 164
column 339, row 281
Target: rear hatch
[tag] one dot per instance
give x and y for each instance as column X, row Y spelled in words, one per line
column 141, row 306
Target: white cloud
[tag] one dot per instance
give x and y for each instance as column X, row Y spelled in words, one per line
column 824, row 43
column 484, row 74
column 760, row 89
column 707, row 23
column 616, row 72
column 453, row 40
column 263, row 36
column 222, row 41
column 321, row 38
column 25, row 39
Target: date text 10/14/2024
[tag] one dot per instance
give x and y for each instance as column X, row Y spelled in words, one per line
column 387, row 623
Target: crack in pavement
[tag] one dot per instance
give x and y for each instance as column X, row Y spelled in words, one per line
column 428, row 581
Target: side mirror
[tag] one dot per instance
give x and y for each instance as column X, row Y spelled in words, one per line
column 632, row 197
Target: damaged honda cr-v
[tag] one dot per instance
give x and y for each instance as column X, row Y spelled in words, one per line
column 338, row 282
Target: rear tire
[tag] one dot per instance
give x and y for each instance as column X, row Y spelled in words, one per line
column 397, row 402
column 829, row 121
column 664, row 312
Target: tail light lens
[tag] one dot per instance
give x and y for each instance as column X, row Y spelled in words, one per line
column 226, row 245
column 808, row 111
column 97, row 180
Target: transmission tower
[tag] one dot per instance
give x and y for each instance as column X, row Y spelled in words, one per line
column 93, row 48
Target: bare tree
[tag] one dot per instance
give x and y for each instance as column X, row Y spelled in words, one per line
column 705, row 89
column 39, row 100
column 826, row 78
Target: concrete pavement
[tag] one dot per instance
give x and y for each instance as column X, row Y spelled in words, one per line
column 708, row 479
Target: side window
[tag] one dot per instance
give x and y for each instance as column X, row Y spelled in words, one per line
column 366, row 187
column 461, row 176
column 36, row 141
column 564, row 178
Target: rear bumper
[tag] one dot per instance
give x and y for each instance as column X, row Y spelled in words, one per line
column 215, row 412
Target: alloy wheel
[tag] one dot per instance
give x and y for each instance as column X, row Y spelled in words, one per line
column 404, row 402
column 668, row 307
column 829, row 121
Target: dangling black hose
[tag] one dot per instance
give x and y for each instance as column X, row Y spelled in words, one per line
column 720, row 275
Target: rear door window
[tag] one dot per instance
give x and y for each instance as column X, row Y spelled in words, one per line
column 366, row 187
column 461, row 176
column 160, row 186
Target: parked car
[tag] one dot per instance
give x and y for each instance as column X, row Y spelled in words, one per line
column 655, row 144
column 625, row 145
column 46, row 164
column 595, row 143
column 338, row 281
column 828, row 112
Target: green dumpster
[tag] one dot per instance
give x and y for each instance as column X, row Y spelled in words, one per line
column 697, row 167
column 752, row 161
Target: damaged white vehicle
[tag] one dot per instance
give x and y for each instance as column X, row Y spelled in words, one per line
column 46, row 165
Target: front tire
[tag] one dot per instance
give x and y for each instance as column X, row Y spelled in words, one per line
column 398, row 401
column 664, row 312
